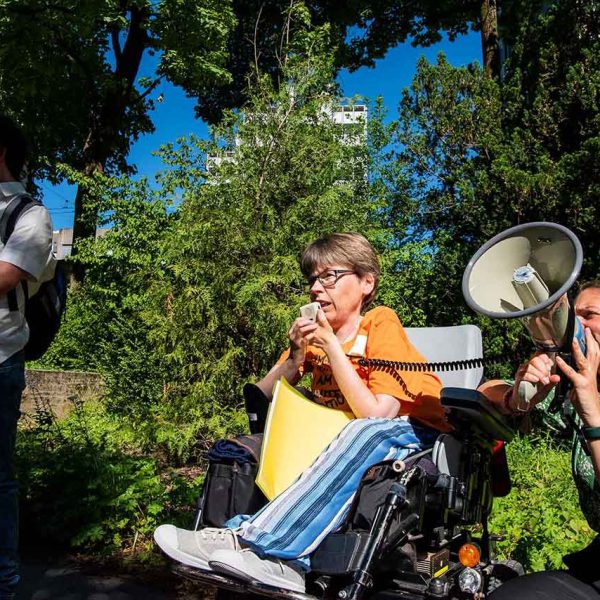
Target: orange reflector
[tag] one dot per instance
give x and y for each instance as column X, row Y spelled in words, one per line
column 469, row 555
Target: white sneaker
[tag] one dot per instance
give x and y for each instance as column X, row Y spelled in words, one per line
column 193, row 548
column 246, row 565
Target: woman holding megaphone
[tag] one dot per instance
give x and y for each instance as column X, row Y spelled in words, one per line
column 582, row 579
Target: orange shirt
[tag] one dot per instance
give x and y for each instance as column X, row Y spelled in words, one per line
column 380, row 335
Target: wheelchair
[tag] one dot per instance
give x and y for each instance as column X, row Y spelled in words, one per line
column 417, row 529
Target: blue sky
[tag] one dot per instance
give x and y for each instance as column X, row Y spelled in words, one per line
column 174, row 116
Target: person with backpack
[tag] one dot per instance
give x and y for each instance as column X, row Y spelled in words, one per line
column 23, row 258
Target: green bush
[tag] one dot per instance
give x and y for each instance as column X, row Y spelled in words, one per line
column 540, row 519
column 84, row 484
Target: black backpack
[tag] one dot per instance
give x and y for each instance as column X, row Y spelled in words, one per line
column 44, row 310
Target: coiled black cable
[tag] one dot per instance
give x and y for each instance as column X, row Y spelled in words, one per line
column 393, row 366
column 451, row 365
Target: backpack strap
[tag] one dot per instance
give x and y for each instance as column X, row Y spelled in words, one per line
column 18, row 205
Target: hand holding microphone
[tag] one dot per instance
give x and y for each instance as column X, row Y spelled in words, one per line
column 301, row 329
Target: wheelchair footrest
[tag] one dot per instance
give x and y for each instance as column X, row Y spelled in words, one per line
column 340, row 553
column 238, row 586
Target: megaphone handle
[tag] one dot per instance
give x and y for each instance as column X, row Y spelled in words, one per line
column 562, row 389
column 526, row 392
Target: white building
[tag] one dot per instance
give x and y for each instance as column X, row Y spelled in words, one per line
column 346, row 115
column 62, row 241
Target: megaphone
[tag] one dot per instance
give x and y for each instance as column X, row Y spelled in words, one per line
column 525, row 272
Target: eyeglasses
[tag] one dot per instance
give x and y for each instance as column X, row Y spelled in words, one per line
column 328, row 278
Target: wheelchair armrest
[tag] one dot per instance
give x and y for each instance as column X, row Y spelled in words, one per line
column 257, row 407
column 469, row 408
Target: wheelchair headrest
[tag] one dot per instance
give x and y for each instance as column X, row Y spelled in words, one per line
column 442, row 344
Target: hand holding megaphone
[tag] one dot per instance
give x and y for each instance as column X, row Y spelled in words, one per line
column 526, row 393
column 534, row 380
column 525, row 272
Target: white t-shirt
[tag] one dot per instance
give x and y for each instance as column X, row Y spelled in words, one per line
column 30, row 248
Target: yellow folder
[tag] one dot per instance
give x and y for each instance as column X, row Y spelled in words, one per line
column 296, row 432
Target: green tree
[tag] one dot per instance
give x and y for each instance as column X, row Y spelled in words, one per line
column 170, row 310
column 108, row 325
column 552, row 108
column 360, row 32
column 70, row 72
column 90, row 52
column 211, row 289
column 482, row 155
column 235, row 284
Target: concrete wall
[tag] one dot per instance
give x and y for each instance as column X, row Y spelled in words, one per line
column 57, row 389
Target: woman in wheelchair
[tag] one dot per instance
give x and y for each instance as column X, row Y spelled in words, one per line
column 394, row 417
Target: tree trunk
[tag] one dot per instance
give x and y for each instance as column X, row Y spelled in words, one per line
column 489, row 38
column 108, row 125
column 84, row 226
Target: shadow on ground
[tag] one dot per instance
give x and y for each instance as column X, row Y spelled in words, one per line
column 67, row 581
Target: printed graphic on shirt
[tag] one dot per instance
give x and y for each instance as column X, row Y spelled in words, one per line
column 325, row 388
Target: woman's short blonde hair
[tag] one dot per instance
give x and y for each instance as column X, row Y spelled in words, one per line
column 349, row 250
